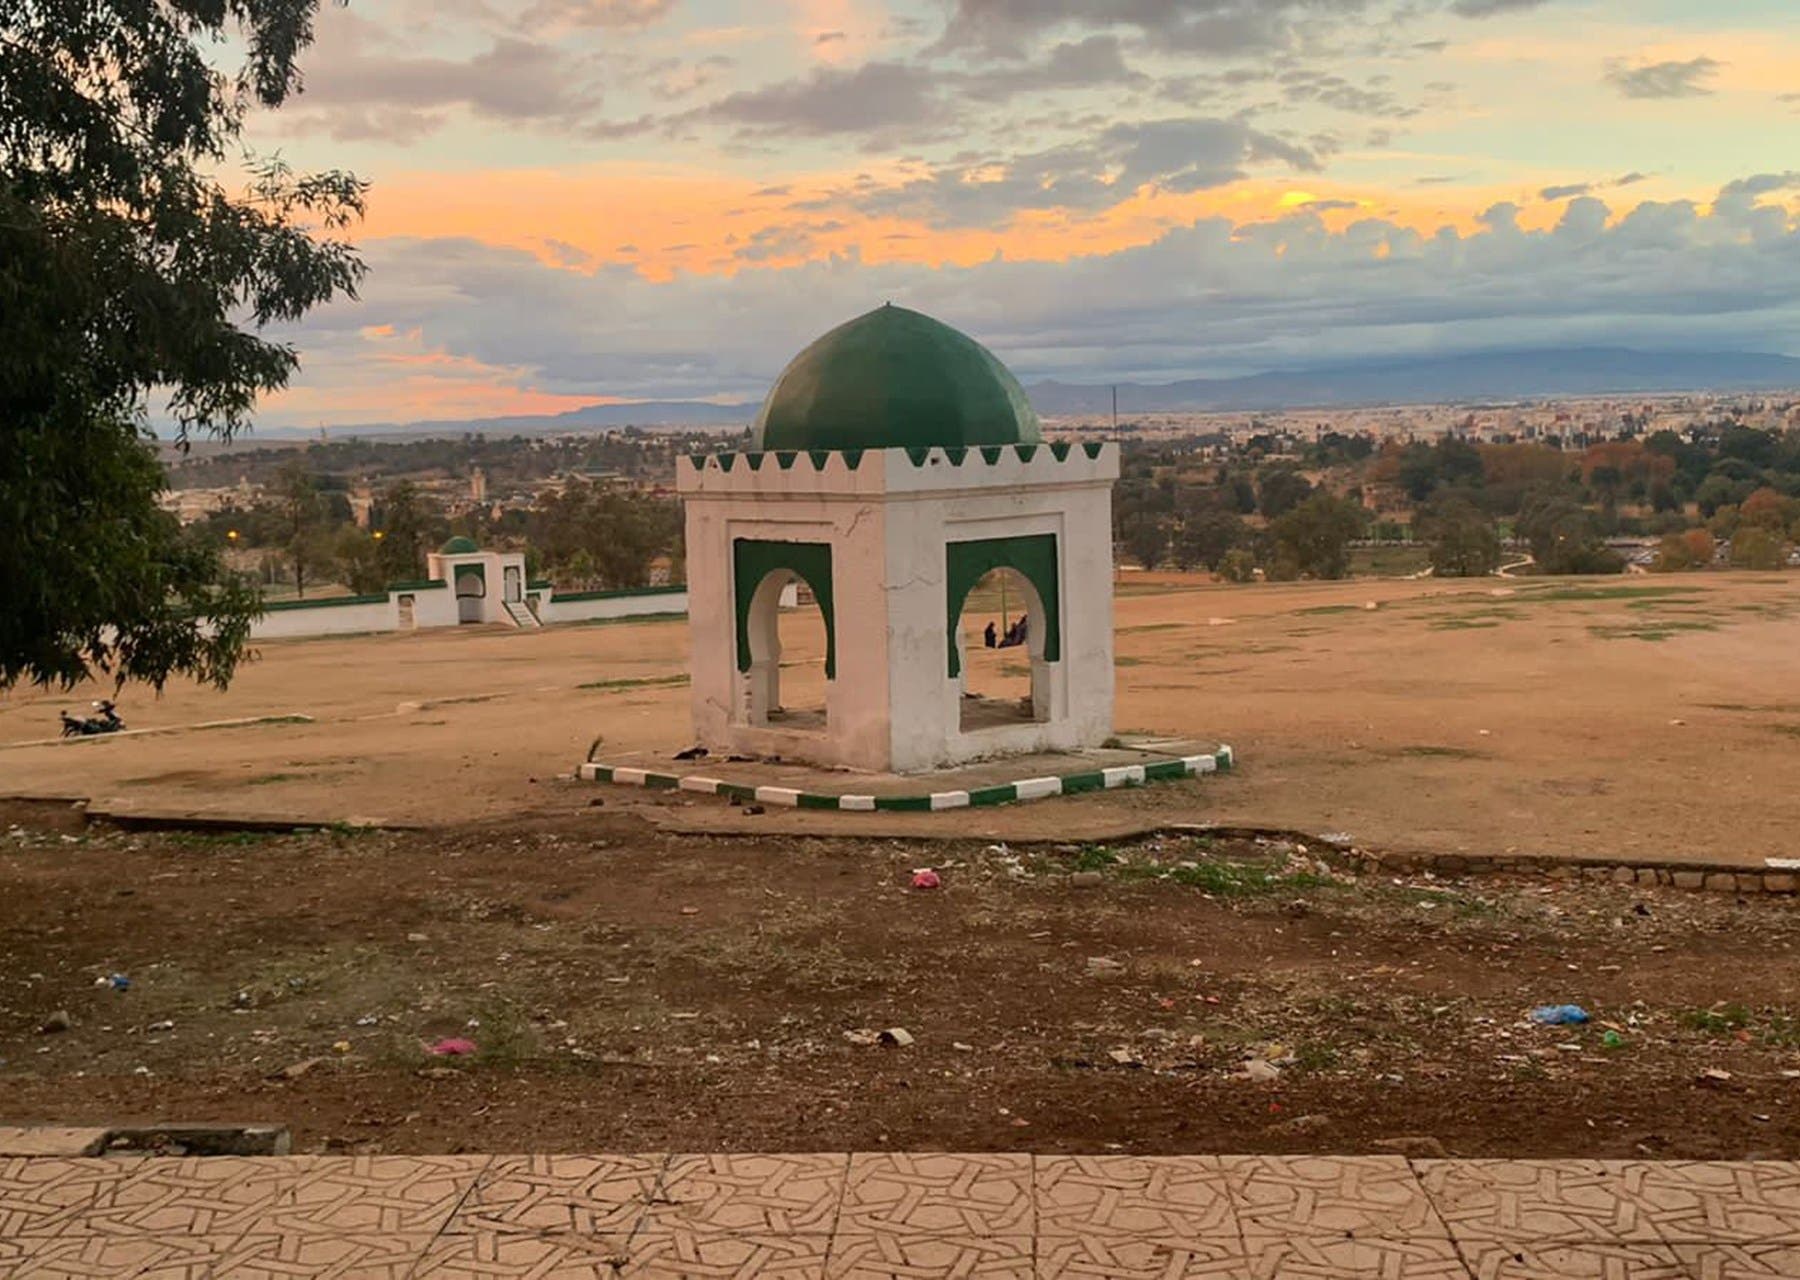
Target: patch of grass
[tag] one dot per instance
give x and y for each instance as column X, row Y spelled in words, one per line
column 505, row 1037
column 1095, row 857
column 217, row 839
column 1651, row 629
column 1149, row 626
column 1722, row 1019
column 1240, row 879
column 1428, row 752
column 255, row 724
column 1328, row 609
column 1790, row 730
column 1315, row 1056
column 1463, row 624
column 644, row 682
column 264, row 779
column 1537, row 595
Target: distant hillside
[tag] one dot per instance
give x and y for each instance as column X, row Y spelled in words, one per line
column 651, row 413
column 1510, row 375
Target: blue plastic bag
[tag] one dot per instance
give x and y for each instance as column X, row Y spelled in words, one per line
column 1557, row 1015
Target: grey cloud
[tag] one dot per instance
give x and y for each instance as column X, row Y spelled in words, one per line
column 1563, row 193
column 1178, row 155
column 596, row 13
column 875, row 98
column 1630, row 179
column 1663, row 79
column 1761, row 184
column 1488, row 8
column 1009, row 28
column 1204, row 299
column 354, row 74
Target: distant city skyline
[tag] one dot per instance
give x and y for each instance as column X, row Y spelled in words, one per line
column 587, row 200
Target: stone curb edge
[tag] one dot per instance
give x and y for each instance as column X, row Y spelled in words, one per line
column 1130, row 775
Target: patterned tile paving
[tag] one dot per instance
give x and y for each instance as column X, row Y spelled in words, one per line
column 723, row 1194
column 981, row 1195
column 1368, row 1196
column 1551, row 1200
column 590, row 1195
column 1739, row 1261
column 46, row 1197
column 540, row 1257
column 1341, row 1257
column 1514, row 1260
column 395, row 1195
column 898, row 1216
column 886, row 1255
column 703, row 1256
column 1125, row 1197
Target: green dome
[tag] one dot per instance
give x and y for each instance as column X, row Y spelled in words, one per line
column 894, row 379
column 458, row 546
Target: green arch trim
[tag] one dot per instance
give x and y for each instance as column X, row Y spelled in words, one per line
column 1033, row 557
column 753, row 560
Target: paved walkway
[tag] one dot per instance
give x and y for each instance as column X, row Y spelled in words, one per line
column 897, row 1215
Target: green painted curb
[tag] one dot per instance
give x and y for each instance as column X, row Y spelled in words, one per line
column 1134, row 775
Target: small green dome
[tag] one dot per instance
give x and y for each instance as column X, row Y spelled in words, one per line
column 458, row 546
column 894, row 379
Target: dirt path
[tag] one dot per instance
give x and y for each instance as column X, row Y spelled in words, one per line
column 630, row 990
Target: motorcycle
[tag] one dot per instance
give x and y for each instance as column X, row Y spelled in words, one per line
column 107, row 721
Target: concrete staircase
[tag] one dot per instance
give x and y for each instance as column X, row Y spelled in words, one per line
column 522, row 616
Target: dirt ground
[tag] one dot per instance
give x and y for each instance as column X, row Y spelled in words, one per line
column 631, row 989
column 1642, row 718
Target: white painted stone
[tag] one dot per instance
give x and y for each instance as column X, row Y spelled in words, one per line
column 857, row 804
column 631, row 777
column 950, row 800
column 1123, row 775
column 1199, row 764
column 705, row 786
column 893, row 705
column 1037, row 788
column 779, row 795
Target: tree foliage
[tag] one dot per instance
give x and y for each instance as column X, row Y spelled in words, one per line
column 128, row 269
column 1314, row 538
column 1460, row 540
column 593, row 537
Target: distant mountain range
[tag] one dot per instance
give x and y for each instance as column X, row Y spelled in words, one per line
column 1459, row 379
column 1511, row 375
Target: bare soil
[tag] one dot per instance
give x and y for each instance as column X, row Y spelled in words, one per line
column 1645, row 719
column 632, row 988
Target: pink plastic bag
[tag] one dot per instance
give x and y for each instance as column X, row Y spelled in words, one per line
column 455, row 1047
column 926, row 878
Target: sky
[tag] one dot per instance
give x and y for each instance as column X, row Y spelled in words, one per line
column 581, row 201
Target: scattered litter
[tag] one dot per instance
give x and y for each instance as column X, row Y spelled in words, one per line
column 690, row 911
column 117, row 981
column 164, row 1025
column 862, row 1037
column 1087, row 879
column 451, row 1047
column 754, row 810
column 1125, row 1057
column 1714, row 1075
column 960, row 1047
column 1612, row 1040
column 1259, row 1069
column 58, row 1021
column 692, row 753
column 926, row 878
column 368, row 1020
column 1104, row 966
column 897, row 1036
column 1559, row 1015
column 342, row 1046
column 418, row 937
